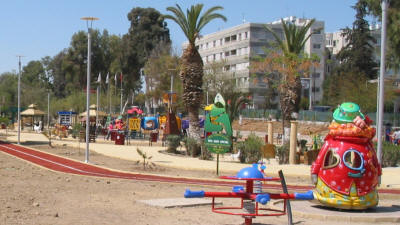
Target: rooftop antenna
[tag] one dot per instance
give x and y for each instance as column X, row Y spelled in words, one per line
column 243, row 20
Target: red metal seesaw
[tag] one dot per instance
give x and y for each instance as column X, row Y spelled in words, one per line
column 251, row 196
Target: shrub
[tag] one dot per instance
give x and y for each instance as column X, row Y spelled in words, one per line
column 283, row 153
column 390, row 154
column 4, row 120
column 250, row 149
column 205, row 154
column 173, row 142
column 76, row 129
column 192, row 147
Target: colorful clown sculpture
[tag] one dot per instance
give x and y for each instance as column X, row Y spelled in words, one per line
column 346, row 172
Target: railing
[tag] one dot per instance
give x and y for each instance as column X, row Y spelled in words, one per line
column 392, row 118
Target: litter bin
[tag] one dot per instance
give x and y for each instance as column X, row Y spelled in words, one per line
column 153, row 138
column 113, row 134
column 119, row 138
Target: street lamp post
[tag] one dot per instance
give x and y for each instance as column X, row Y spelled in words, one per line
column 381, row 80
column 89, row 21
column 19, row 97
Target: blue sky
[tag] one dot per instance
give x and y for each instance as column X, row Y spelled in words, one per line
column 42, row 28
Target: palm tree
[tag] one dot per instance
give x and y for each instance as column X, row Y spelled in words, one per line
column 292, row 47
column 191, row 71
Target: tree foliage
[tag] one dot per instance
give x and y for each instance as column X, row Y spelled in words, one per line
column 158, row 69
column 393, row 28
column 358, row 54
column 289, row 63
column 147, row 31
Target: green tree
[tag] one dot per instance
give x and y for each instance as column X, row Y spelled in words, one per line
column 358, row 54
column 8, row 90
column 191, row 72
column 290, row 63
column 393, row 28
column 159, row 68
column 147, row 31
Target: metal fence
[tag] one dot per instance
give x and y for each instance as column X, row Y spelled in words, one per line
column 392, row 118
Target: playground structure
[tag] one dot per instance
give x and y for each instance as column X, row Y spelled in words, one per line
column 251, row 195
column 347, row 172
column 33, row 117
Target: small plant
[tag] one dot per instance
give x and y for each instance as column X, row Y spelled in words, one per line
column 390, row 154
column 75, row 130
column 192, row 147
column 302, row 144
column 173, row 142
column 146, row 159
column 283, row 153
column 250, row 149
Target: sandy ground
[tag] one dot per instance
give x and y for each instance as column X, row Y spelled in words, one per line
column 32, row 195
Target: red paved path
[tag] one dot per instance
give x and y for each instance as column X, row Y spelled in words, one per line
column 65, row 165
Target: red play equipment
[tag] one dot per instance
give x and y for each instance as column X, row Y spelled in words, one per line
column 251, row 196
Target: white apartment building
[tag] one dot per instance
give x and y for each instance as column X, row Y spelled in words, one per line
column 238, row 44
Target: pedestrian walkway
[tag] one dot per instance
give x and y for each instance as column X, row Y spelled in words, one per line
column 390, row 177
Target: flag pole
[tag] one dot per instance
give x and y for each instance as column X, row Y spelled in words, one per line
column 121, row 95
column 97, row 100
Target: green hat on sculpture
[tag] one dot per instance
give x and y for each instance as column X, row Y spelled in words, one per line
column 347, row 112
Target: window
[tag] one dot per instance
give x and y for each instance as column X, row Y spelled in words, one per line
column 233, row 52
column 334, row 43
column 206, row 45
column 331, row 159
column 226, row 53
column 214, row 57
column 316, row 31
column 227, row 39
column 240, row 36
column 233, row 38
column 221, row 55
column 220, row 41
column 353, row 159
column 315, row 89
column 246, row 35
column 214, row 43
column 316, row 75
column 317, row 46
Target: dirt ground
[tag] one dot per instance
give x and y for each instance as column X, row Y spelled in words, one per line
column 261, row 126
column 32, row 195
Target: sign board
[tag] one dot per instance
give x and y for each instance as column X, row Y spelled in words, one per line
column 218, row 143
column 134, row 124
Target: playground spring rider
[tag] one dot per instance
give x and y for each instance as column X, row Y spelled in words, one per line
column 251, row 196
column 346, row 172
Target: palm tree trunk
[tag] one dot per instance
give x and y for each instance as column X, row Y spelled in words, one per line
column 192, row 78
column 290, row 95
